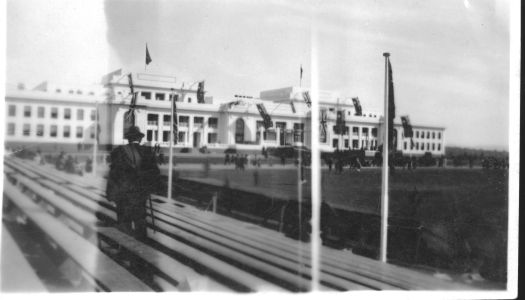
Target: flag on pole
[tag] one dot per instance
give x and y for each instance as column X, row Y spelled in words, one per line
column 200, row 92
column 267, row 120
column 306, row 97
column 175, row 119
column 357, row 105
column 391, row 109
column 148, row 57
column 301, row 73
column 293, row 107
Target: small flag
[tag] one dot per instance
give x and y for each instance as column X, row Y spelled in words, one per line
column 148, row 57
column 175, row 119
column 357, row 105
column 293, row 107
column 267, row 121
column 301, row 73
column 306, row 97
column 407, row 127
column 200, row 92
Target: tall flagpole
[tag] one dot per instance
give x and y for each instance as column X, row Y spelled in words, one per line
column 384, row 183
column 170, row 167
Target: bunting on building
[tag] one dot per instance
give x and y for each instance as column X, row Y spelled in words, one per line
column 306, row 97
column 323, row 126
column 357, row 106
column 267, row 120
column 407, row 130
column 340, row 122
column 200, row 92
column 129, row 116
column 234, row 103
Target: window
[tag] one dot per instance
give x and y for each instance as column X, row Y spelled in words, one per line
column 270, row 135
column 93, row 115
column 428, row 146
column 41, row 111
column 346, row 143
column 433, row 146
column 79, row 92
column 146, row 95
column 433, row 135
column 27, row 130
column 374, row 132
column 189, row 100
column 439, row 147
column 355, row 144
column 417, row 134
column 67, row 113
column 183, row 121
column 212, row 138
column 355, row 130
column 54, row 113
column 417, row 146
column 428, row 134
column 405, row 145
column 439, row 135
column 12, row 110
column 27, row 111
column 58, row 90
column 80, row 132
column 39, row 130
column 67, row 131
column 11, row 129
column 149, row 135
column 153, row 119
column 160, row 96
column 80, row 114
column 166, row 120
column 258, row 125
column 213, row 123
column 335, row 143
column 53, row 131
column 92, row 132
column 165, row 136
column 182, row 137
column 198, row 121
column 176, row 97
column 365, row 131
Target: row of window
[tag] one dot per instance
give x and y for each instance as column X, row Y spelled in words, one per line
column 153, row 119
column 366, row 145
column 153, row 136
column 281, row 125
column 416, row 145
column 355, row 131
column 51, row 131
column 349, row 112
column 41, row 112
column 161, row 96
column 428, row 134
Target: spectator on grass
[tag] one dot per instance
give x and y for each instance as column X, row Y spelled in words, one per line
column 89, row 165
column 329, row 162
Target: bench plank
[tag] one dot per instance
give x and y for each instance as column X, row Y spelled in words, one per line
column 17, row 274
column 102, row 269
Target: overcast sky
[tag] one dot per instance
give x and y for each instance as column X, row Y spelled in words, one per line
column 450, row 59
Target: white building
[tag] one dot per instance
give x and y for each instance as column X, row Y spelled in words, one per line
column 52, row 115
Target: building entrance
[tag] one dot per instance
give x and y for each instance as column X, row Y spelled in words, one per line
column 196, row 139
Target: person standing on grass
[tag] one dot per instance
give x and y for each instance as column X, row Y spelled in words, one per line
column 133, row 176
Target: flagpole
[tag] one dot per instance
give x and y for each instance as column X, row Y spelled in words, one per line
column 384, row 183
column 95, row 143
column 170, row 161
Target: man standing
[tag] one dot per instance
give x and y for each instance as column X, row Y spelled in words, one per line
column 133, row 176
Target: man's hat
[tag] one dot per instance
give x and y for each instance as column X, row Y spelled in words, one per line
column 133, row 133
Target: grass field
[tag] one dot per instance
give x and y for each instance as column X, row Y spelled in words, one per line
column 463, row 211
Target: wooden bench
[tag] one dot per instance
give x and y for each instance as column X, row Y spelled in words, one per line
column 17, row 274
column 100, row 269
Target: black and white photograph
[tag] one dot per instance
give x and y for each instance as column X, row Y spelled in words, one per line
column 259, row 148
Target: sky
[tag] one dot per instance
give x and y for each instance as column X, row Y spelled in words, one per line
column 450, row 59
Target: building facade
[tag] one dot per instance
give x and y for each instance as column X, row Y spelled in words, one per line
column 56, row 115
